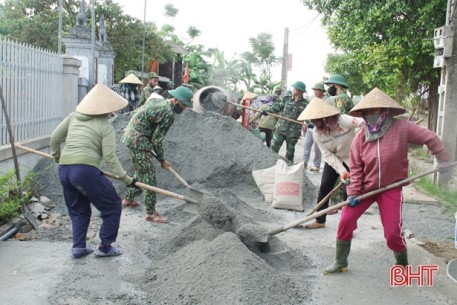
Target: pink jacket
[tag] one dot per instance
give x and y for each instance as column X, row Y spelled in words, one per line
column 384, row 161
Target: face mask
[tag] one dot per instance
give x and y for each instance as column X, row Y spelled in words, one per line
column 178, row 109
column 372, row 118
column 331, row 91
column 374, row 121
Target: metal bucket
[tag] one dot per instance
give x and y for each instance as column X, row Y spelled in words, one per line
column 213, row 99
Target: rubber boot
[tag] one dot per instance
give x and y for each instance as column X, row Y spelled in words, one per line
column 402, row 258
column 343, row 247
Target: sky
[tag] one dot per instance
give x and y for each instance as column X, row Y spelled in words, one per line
column 228, row 25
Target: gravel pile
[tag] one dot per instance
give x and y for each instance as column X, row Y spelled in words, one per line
column 202, row 258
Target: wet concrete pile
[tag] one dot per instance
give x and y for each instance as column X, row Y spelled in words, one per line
column 208, row 258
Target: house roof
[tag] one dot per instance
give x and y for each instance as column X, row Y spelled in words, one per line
column 178, row 49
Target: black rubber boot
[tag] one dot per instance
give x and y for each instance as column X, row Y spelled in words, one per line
column 343, row 247
column 402, row 258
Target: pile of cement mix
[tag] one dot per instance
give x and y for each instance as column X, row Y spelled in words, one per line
column 203, row 260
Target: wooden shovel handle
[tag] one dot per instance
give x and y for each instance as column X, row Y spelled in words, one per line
column 361, row 197
column 321, row 203
column 272, row 114
column 138, row 184
column 181, row 179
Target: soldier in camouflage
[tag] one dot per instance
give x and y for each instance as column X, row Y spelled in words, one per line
column 338, row 96
column 170, row 86
column 143, row 136
column 149, row 89
column 285, row 130
column 277, row 98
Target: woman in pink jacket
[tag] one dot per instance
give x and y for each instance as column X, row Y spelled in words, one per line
column 379, row 157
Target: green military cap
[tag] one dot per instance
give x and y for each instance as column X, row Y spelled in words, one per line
column 152, row 75
column 318, row 86
column 299, row 86
column 183, row 94
column 338, row 80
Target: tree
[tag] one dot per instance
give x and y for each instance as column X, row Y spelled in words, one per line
column 36, row 22
column 385, row 43
column 263, row 59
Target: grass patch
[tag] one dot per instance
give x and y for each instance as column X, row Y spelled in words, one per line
column 11, row 194
column 446, row 196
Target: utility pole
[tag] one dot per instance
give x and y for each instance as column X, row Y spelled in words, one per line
column 144, row 40
column 445, row 40
column 92, row 64
column 285, row 57
column 59, row 38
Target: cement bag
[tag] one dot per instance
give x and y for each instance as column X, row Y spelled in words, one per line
column 288, row 189
column 265, row 181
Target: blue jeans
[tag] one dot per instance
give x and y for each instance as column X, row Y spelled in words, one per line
column 308, row 143
column 83, row 184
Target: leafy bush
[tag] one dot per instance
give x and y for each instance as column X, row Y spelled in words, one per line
column 11, row 194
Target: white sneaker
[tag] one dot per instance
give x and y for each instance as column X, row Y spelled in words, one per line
column 314, row 169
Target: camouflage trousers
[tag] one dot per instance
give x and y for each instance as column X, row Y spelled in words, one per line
column 278, row 139
column 144, row 172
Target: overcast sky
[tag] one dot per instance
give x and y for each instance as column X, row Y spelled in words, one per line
column 228, row 25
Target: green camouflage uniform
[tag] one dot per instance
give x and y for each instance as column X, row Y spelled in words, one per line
column 166, row 94
column 145, row 133
column 277, row 99
column 343, row 102
column 285, row 130
column 147, row 91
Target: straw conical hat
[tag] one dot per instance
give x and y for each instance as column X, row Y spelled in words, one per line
column 101, row 100
column 317, row 109
column 131, row 79
column 377, row 99
column 248, row 94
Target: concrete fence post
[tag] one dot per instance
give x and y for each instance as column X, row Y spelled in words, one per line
column 70, row 84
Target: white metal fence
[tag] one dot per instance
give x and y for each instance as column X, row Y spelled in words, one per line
column 31, row 80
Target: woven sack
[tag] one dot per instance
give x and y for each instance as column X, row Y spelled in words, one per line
column 288, row 187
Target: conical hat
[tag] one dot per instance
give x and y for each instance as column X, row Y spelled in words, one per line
column 101, row 100
column 317, row 109
column 249, row 95
column 377, row 99
column 131, row 79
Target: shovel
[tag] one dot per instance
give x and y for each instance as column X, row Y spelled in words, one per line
column 193, row 193
column 272, row 114
column 138, row 184
column 264, row 239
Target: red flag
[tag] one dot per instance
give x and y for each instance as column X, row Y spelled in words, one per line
column 186, row 74
column 154, row 66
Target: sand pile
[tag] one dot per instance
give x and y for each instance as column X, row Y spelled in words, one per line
column 204, row 259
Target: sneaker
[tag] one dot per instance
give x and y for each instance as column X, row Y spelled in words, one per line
column 314, row 169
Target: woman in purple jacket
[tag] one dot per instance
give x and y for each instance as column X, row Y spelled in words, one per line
column 379, row 157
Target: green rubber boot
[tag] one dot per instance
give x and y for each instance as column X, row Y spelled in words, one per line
column 402, row 258
column 343, row 247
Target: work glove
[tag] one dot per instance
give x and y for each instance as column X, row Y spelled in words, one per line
column 444, row 166
column 353, row 201
column 310, row 125
column 132, row 184
column 344, row 176
column 264, row 112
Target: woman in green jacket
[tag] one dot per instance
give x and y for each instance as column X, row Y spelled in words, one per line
column 89, row 138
